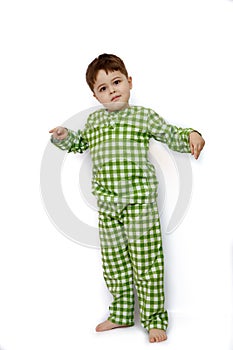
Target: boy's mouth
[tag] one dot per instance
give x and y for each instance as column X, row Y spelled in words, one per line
column 115, row 98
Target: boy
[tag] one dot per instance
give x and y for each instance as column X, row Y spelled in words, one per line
column 125, row 185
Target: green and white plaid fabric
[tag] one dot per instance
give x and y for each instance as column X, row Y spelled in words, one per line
column 125, row 185
column 119, row 144
column 132, row 253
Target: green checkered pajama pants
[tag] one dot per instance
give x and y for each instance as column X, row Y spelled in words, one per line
column 131, row 248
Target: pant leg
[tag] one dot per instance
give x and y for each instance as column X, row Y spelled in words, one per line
column 117, row 268
column 142, row 227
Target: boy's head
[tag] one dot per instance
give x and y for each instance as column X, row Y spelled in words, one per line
column 108, row 79
column 109, row 63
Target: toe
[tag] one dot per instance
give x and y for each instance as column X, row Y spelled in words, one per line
column 162, row 337
column 152, row 340
column 157, row 335
column 159, row 338
column 98, row 328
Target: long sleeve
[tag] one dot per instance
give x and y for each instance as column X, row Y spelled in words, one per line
column 176, row 138
column 74, row 142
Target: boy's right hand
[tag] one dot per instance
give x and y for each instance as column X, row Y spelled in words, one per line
column 59, row 133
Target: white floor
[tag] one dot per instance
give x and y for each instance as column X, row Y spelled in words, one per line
column 185, row 332
column 75, row 332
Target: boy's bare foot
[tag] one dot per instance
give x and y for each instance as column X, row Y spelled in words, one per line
column 107, row 325
column 157, row 335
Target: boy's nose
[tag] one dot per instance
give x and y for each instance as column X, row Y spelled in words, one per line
column 112, row 90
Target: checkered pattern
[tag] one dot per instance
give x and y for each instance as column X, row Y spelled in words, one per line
column 125, row 185
column 131, row 247
column 119, row 144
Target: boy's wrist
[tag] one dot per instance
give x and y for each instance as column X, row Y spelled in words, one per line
column 196, row 132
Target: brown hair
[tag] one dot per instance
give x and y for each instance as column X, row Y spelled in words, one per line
column 107, row 62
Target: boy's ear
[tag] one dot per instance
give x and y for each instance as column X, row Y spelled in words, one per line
column 130, row 81
column 94, row 95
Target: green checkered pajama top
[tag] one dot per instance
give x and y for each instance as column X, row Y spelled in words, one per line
column 119, row 144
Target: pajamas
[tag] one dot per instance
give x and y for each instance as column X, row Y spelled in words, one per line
column 131, row 247
column 125, row 185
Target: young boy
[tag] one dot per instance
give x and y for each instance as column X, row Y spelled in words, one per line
column 125, row 185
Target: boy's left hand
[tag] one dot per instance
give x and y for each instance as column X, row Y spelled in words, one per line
column 197, row 143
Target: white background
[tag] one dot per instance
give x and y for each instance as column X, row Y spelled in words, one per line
column 179, row 54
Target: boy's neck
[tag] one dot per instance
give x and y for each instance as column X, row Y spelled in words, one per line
column 118, row 110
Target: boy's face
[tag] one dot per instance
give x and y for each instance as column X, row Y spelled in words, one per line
column 112, row 90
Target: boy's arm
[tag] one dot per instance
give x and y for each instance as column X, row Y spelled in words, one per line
column 73, row 142
column 177, row 139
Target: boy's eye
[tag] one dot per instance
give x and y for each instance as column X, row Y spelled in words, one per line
column 116, row 82
column 103, row 88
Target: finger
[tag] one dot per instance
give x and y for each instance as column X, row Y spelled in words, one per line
column 52, row 130
column 192, row 149
column 199, row 149
column 196, row 152
column 191, row 146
